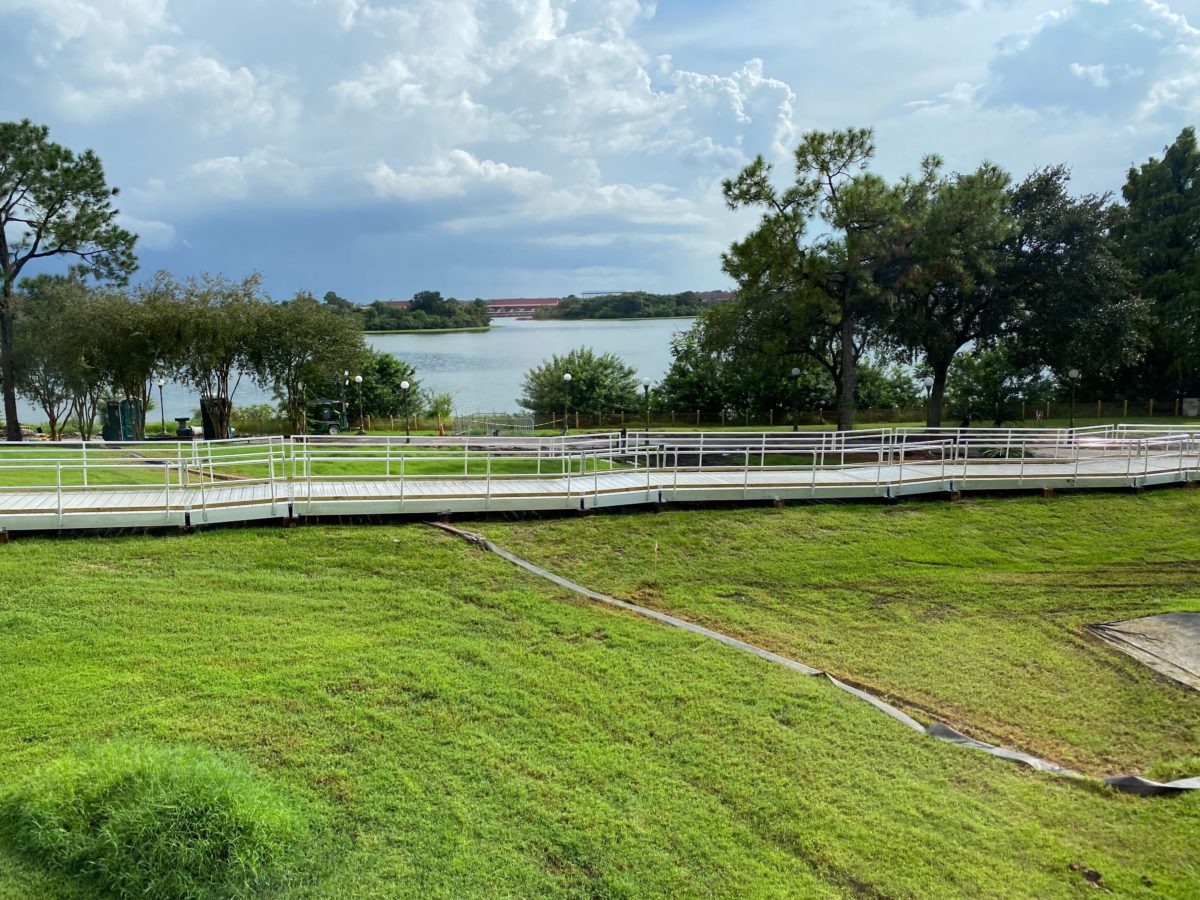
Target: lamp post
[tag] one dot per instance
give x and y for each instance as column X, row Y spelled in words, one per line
column 407, row 434
column 358, row 383
column 567, row 400
column 795, row 398
column 927, row 381
column 162, row 412
column 345, row 388
column 1073, row 377
column 646, row 388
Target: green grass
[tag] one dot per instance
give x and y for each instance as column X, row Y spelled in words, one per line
column 972, row 613
column 136, row 820
column 459, row 728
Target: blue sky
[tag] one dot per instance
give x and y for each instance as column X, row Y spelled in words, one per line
column 539, row 147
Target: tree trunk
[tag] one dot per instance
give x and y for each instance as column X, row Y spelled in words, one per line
column 937, row 394
column 846, row 401
column 8, row 371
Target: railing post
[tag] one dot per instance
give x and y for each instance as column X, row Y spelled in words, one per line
column 487, row 497
column 271, row 471
column 58, row 490
column 83, row 446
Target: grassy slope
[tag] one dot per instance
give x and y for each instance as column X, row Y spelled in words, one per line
column 468, row 731
column 970, row 612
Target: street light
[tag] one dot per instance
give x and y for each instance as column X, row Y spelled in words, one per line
column 795, row 398
column 1073, row 377
column 162, row 412
column 407, row 434
column 358, row 382
column 567, row 401
column 646, row 388
column 927, row 381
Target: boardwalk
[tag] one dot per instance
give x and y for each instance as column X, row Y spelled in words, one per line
column 76, row 487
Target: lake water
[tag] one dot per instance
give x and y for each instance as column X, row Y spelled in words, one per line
column 482, row 370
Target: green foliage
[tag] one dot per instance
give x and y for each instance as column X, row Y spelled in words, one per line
column 223, row 325
column 708, row 374
column 886, row 387
column 136, row 820
column 631, row 305
column 45, row 348
column 598, row 384
column 439, row 405
column 987, row 385
column 259, row 418
column 813, row 295
column 941, row 277
column 382, row 392
column 427, row 310
column 1160, row 241
column 300, row 342
column 53, row 203
column 1070, row 295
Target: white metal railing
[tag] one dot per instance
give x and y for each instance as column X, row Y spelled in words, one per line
column 197, row 475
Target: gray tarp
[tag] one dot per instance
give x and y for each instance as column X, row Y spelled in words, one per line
column 1169, row 643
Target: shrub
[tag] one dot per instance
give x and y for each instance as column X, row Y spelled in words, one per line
column 261, row 418
column 137, row 820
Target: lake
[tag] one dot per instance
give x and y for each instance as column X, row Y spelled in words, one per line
column 482, row 370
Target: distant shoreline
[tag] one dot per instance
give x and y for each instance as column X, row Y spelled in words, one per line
column 606, row 318
column 477, row 328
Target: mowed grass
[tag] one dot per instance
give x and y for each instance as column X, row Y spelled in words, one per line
column 459, row 728
column 972, row 613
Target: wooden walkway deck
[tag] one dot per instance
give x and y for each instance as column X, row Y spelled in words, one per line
column 195, row 502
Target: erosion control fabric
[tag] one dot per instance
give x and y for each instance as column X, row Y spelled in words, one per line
column 1132, row 784
column 1169, row 643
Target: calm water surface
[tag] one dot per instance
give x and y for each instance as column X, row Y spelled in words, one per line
column 483, row 370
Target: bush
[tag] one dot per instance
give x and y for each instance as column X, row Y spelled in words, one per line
column 261, row 418
column 136, row 820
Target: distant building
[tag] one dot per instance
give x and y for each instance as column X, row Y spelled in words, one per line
column 521, row 306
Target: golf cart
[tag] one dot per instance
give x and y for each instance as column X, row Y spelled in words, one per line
column 326, row 417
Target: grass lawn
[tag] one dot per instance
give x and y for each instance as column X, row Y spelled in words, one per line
column 459, row 728
column 972, row 613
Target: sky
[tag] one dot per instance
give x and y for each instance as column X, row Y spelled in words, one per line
column 500, row 148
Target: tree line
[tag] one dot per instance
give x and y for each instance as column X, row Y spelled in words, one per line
column 846, row 270
column 426, row 311
column 76, row 344
column 628, row 305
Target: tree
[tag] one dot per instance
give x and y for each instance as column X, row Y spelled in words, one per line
column 712, row 370
column 302, row 340
column 439, row 406
column 143, row 333
column 383, row 393
column 219, row 340
column 598, row 384
column 1159, row 232
column 946, row 245
column 53, row 203
column 1062, row 276
column 44, row 357
column 988, row 384
column 824, row 288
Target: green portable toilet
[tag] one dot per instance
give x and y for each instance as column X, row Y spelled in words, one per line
column 120, row 419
